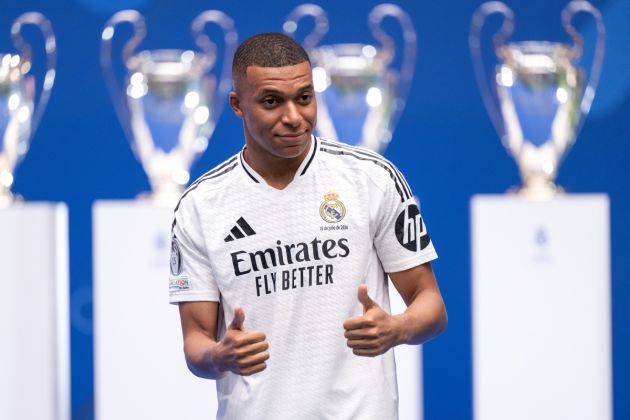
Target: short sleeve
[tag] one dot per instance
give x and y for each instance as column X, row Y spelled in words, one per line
column 191, row 277
column 401, row 238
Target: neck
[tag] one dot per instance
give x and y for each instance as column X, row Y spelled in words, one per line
column 278, row 172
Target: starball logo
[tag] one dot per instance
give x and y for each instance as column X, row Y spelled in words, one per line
column 410, row 230
column 261, row 264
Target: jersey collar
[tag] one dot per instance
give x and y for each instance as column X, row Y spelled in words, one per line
column 302, row 169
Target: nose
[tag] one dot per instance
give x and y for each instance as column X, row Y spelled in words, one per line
column 291, row 115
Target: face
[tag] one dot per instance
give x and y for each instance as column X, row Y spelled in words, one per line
column 278, row 108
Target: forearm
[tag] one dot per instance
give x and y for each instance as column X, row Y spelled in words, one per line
column 199, row 350
column 424, row 318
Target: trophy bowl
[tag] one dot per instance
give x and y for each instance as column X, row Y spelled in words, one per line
column 22, row 98
column 540, row 94
column 169, row 99
column 539, row 91
column 360, row 95
column 357, row 91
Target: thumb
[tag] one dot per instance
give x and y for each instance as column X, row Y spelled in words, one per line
column 364, row 298
column 239, row 318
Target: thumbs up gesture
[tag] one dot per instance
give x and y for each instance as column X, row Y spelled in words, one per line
column 375, row 331
column 240, row 351
column 238, row 320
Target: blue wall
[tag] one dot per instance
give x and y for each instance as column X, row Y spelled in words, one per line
column 444, row 143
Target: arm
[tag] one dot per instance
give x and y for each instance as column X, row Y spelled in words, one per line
column 425, row 316
column 242, row 352
column 376, row 331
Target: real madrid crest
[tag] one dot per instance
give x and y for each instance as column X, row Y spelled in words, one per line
column 332, row 209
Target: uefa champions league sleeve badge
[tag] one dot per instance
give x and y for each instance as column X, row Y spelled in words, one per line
column 176, row 258
column 177, row 281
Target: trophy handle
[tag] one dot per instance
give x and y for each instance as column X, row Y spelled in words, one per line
column 321, row 24
column 44, row 25
column 568, row 13
column 113, row 85
column 408, row 64
column 474, row 42
column 230, row 40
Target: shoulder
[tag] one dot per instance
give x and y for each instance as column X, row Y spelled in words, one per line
column 353, row 157
column 383, row 173
column 214, row 180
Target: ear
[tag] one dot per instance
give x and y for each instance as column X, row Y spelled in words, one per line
column 235, row 103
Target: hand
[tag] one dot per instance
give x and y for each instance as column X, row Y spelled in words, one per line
column 375, row 331
column 242, row 352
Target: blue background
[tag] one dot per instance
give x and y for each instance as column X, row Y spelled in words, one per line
column 444, row 143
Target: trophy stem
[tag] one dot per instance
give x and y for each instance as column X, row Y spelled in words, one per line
column 166, row 194
column 6, row 198
column 539, row 188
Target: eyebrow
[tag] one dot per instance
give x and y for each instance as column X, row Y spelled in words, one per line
column 270, row 91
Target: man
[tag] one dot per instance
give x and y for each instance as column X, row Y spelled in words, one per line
column 289, row 242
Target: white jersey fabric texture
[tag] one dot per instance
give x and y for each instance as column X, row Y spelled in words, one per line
column 294, row 259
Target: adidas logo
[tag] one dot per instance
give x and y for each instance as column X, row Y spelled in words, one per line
column 236, row 233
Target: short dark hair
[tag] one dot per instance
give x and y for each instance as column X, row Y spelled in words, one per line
column 269, row 49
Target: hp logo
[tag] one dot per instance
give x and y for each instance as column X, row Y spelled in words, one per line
column 410, row 230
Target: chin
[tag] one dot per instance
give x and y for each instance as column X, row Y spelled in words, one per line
column 291, row 152
column 294, row 148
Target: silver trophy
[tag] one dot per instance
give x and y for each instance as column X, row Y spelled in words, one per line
column 360, row 96
column 540, row 96
column 22, row 100
column 169, row 100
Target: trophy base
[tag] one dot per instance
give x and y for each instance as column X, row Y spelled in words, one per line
column 538, row 190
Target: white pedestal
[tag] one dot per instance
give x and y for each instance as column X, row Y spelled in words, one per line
column 140, row 371
column 408, row 369
column 34, row 323
column 541, row 308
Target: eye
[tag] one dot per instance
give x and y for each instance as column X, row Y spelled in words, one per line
column 306, row 98
column 270, row 101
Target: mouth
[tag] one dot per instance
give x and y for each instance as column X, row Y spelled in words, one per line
column 301, row 133
column 292, row 136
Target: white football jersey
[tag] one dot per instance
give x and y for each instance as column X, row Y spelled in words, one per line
column 294, row 260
